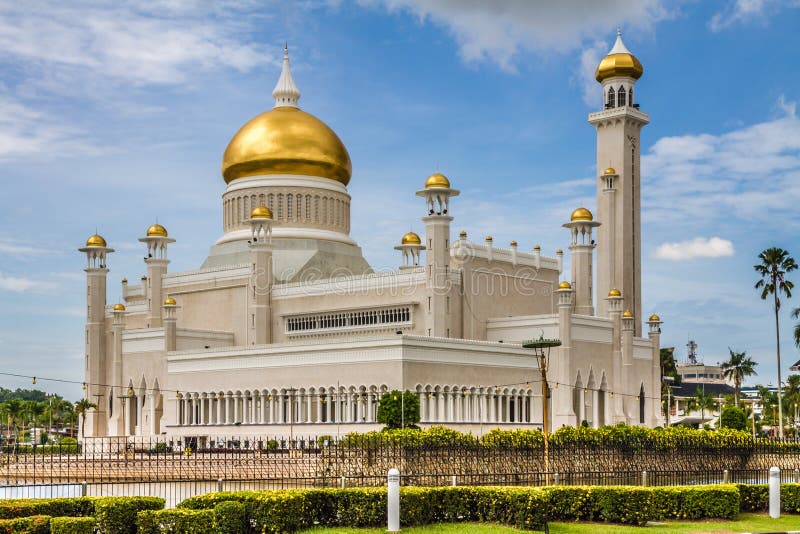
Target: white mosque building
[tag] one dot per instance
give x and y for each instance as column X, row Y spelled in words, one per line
column 286, row 328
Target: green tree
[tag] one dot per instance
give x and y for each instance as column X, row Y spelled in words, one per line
column 775, row 264
column 396, row 410
column 733, row 417
column 35, row 410
column 15, row 410
column 702, row 401
column 81, row 407
column 738, row 367
column 795, row 315
column 668, row 366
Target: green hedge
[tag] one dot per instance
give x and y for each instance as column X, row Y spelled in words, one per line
column 178, row 521
column 37, row 524
column 118, row 514
column 72, row 525
column 68, row 507
column 755, row 497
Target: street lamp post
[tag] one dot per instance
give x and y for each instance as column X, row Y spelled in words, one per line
column 541, row 350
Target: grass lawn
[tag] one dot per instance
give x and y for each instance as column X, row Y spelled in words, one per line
column 745, row 523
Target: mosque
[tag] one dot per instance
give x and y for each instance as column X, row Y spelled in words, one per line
column 286, row 328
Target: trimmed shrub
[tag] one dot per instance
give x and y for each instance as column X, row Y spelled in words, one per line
column 72, row 525
column 755, row 497
column 177, row 521
column 58, row 507
column 118, row 514
column 37, row 524
column 230, row 517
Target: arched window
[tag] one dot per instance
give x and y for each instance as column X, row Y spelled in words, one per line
column 280, row 206
column 610, row 103
column 621, row 97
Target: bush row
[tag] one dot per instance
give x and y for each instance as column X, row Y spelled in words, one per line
column 755, row 498
column 632, row 438
column 521, row 507
column 74, row 515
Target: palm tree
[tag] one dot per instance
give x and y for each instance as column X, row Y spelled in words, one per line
column 738, row 367
column 795, row 315
column 703, row 401
column 15, row 409
column 793, row 395
column 775, row 264
column 81, row 407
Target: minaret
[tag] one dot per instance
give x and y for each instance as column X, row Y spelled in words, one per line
column 170, row 324
column 286, row 93
column 655, row 322
column 261, row 279
column 437, row 193
column 619, row 127
column 410, row 246
column 96, row 250
column 117, row 329
column 157, row 240
column 581, row 249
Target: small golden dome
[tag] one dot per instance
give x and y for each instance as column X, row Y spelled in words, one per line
column 156, row 230
column 261, row 212
column 96, row 240
column 655, row 318
column 437, row 179
column 559, row 251
column 537, row 247
column 119, row 307
column 627, row 314
column 581, row 214
column 463, row 234
column 564, row 285
column 488, row 238
column 614, row 293
column 124, row 280
column 610, row 170
column 169, row 301
column 286, row 140
column 411, row 239
column 513, row 243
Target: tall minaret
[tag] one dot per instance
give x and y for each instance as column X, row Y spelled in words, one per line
column 95, row 370
column 261, row 279
column 581, row 248
column 619, row 127
column 437, row 193
column 157, row 240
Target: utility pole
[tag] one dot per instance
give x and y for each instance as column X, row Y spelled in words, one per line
column 541, row 350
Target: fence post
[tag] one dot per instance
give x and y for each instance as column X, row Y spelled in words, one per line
column 454, row 481
column 774, row 492
column 83, row 488
column 644, row 478
column 219, row 484
column 724, row 476
column 343, row 481
column 393, row 498
column 556, row 478
column 796, row 476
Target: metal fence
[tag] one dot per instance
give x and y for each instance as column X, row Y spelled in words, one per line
column 176, row 470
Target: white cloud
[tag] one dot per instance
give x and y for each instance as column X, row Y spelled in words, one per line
column 498, row 31
column 16, row 285
column 699, row 247
column 9, row 246
column 590, row 58
column 747, row 12
column 136, row 42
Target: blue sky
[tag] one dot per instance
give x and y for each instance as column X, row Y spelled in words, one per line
column 115, row 114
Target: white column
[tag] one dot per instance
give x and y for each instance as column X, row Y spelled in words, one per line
column 177, row 411
column 309, row 407
column 492, row 407
column 319, row 408
column 441, row 415
column 202, row 411
column 369, row 407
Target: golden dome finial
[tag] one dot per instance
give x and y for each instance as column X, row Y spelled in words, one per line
column 627, row 314
column 96, row 240
column 169, row 301
column 261, row 212
column 411, row 239
column 437, row 179
column 610, row 170
column 619, row 62
column 564, row 285
column 463, row 234
column 581, row 214
column 513, row 243
column 655, row 318
column 156, row 230
column 119, row 307
column 614, row 293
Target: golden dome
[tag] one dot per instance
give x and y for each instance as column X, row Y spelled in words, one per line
column 124, row 280
column 559, row 251
column 463, row 234
column 156, row 230
column 488, row 238
column 581, row 214
column 261, row 212
column 564, row 285
column 437, row 179
column 614, row 293
column 286, row 140
column 119, row 307
column 169, row 301
column 655, row 318
column 610, row 170
column 537, row 247
column 619, row 62
column 627, row 314
column 96, row 240
column 513, row 244
column 411, row 239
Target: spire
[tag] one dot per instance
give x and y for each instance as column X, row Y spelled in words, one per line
column 619, row 46
column 286, row 92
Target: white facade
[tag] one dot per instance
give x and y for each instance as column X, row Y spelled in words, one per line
column 286, row 328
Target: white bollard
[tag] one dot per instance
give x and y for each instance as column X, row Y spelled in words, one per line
column 455, row 482
column 393, row 501
column 774, row 492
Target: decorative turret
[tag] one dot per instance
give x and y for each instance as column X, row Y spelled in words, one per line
column 582, row 248
column 410, row 246
column 261, row 277
column 157, row 239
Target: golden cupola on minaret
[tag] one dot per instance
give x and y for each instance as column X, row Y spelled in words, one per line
column 286, row 140
column 619, row 62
